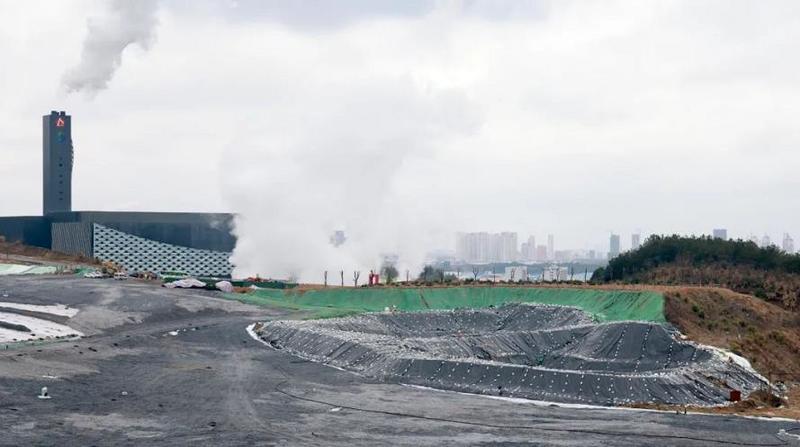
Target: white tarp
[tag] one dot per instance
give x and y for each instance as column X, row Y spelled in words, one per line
column 187, row 283
column 224, row 286
column 54, row 309
column 39, row 328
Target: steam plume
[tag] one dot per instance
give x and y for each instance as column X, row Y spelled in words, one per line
column 126, row 22
column 344, row 156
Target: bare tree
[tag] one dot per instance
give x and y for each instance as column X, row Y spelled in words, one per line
column 475, row 271
column 356, row 275
column 326, row 278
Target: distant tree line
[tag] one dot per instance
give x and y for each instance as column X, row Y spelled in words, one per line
column 698, row 251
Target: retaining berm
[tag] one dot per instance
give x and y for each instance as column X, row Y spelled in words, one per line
column 604, row 305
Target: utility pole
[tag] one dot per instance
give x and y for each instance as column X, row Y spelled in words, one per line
column 407, row 275
column 326, row 278
column 341, row 273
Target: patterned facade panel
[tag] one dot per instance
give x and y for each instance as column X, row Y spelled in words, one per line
column 74, row 238
column 137, row 254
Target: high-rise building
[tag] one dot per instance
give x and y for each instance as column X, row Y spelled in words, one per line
column 613, row 250
column 541, row 253
column 483, row 248
column 635, row 241
column 523, row 252
column 551, row 247
column 57, row 163
column 766, row 241
column 508, row 247
column 720, row 233
column 529, row 254
column 788, row 243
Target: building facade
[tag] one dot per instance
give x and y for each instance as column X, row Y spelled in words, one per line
column 196, row 243
column 788, row 243
column 636, row 241
column 613, row 249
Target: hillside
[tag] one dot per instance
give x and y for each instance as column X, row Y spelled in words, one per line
column 741, row 266
column 764, row 333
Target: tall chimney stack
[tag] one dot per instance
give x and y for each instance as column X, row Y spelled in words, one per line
column 57, row 163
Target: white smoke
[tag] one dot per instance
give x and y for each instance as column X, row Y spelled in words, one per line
column 125, row 22
column 343, row 156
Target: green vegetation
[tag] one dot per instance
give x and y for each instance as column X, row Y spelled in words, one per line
column 431, row 274
column 389, row 273
column 660, row 250
column 604, row 305
column 767, row 273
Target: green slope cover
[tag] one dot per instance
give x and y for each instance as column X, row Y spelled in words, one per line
column 604, row 305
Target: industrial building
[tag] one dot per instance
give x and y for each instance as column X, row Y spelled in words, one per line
column 195, row 243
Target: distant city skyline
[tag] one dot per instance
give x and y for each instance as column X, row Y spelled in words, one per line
column 487, row 247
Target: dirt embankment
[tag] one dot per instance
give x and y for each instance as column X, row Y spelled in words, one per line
column 775, row 286
column 764, row 333
column 767, row 335
column 16, row 252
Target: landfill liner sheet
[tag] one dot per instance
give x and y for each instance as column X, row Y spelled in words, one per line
column 539, row 352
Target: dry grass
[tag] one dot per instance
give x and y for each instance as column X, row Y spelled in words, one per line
column 765, row 334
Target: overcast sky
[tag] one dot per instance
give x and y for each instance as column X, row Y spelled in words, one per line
column 408, row 120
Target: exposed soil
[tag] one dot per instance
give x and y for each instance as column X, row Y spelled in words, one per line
column 765, row 334
column 14, row 251
column 774, row 286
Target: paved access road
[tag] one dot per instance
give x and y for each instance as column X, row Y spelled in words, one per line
column 173, row 367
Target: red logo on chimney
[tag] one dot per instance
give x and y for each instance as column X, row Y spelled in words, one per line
column 60, row 122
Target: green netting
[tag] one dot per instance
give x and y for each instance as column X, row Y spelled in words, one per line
column 605, row 305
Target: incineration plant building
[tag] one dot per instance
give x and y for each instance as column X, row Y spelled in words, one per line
column 196, row 243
